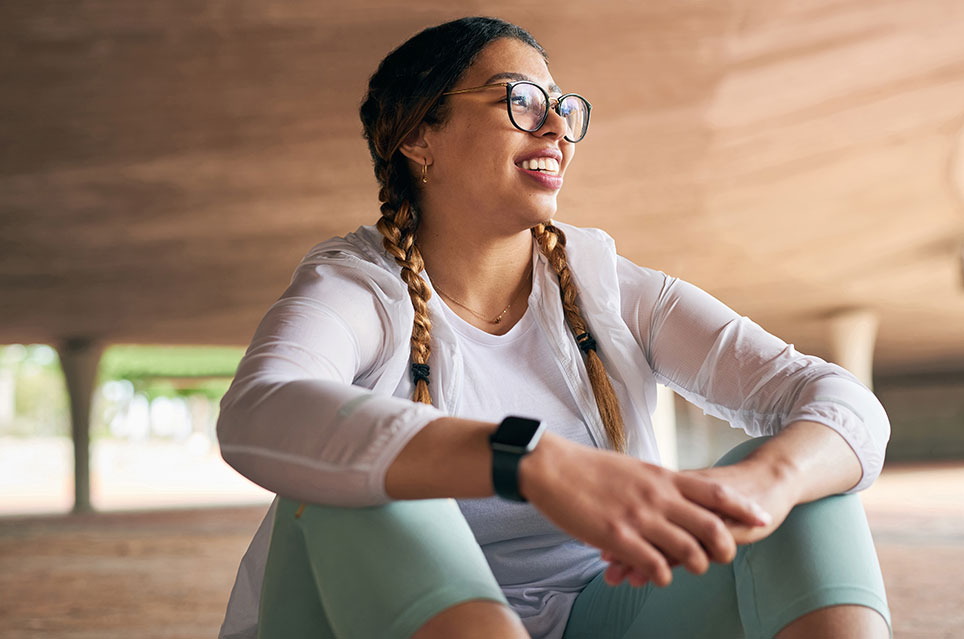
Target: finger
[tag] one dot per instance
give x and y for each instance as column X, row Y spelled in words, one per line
column 722, row 499
column 679, row 546
column 639, row 554
column 616, row 573
column 637, row 579
column 714, row 535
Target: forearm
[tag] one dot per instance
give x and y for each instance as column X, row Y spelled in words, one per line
column 315, row 440
column 449, row 457
column 812, row 458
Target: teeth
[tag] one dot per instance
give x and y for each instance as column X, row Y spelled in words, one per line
column 549, row 165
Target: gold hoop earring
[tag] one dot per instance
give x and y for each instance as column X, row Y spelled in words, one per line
column 425, row 173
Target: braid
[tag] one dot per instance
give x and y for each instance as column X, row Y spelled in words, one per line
column 398, row 224
column 552, row 243
column 406, row 91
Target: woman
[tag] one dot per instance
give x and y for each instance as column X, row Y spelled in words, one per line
column 469, row 300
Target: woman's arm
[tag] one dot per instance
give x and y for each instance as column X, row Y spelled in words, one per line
column 812, row 458
column 828, row 430
column 656, row 518
column 292, row 420
column 736, row 371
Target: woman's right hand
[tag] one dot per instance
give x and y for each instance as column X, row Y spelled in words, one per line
column 645, row 517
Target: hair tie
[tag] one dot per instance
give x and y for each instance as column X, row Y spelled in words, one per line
column 420, row 372
column 586, row 343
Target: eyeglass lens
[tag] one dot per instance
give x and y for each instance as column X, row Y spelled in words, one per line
column 528, row 105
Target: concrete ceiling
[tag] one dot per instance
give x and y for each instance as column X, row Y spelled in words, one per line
column 164, row 166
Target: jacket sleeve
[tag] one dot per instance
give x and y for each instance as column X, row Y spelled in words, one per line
column 293, row 420
column 733, row 369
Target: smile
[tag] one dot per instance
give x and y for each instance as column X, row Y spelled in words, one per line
column 545, row 165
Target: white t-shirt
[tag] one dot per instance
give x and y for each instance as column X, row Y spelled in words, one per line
column 541, row 569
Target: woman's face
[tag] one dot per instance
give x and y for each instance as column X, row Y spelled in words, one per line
column 480, row 162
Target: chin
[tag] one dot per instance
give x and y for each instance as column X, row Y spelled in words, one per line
column 540, row 216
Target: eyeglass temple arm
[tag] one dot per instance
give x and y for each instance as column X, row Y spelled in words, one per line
column 484, row 86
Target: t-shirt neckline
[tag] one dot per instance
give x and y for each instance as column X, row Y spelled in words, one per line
column 476, row 334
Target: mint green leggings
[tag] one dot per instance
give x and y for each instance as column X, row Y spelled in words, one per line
column 382, row 572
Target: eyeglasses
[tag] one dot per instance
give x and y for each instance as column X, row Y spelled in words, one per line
column 528, row 106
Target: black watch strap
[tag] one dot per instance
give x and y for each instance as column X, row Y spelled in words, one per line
column 515, row 438
column 505, row 475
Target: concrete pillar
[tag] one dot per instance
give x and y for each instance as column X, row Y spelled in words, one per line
column 853, row 333
column 664, row 425
column 79, row 359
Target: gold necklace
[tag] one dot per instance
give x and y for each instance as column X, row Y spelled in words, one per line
column 497, row 320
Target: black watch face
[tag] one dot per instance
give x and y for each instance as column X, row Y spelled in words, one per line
column 516, row 431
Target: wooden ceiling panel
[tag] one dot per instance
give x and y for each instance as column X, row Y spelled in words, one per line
column 164, row 167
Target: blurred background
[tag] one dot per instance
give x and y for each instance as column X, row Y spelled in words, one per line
column 165, row 166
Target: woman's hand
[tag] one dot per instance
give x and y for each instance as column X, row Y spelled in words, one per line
column 803, row 462
column 764, row 484
column 645, row 517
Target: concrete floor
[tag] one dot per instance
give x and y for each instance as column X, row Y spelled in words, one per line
column 167, row 574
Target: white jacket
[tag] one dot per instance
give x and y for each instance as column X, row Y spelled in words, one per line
column 318, row 409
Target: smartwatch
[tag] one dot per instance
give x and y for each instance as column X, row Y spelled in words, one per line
column 515, row 438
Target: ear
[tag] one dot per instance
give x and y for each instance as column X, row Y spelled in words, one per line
column 416, row 147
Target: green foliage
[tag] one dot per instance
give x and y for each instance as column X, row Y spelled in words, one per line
column 213, row 388
column 138, row 362
column 33, row 395
column 33, row 382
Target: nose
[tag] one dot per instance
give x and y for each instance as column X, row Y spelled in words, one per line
column 555, row 125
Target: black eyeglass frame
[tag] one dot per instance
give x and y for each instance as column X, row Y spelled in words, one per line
column 549, row 99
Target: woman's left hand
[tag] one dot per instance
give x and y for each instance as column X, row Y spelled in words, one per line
column 756, row 479
column 775, row 492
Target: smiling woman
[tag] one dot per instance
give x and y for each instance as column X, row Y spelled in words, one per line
column 454, row 516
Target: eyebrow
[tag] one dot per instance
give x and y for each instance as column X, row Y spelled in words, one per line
column 508, row 75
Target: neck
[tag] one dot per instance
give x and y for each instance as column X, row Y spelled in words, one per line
column 482, row 271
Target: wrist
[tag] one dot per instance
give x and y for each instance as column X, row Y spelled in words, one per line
column 776, row 469
column 537, row 468
column 515, row 439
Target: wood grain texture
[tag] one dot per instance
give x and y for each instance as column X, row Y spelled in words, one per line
column 164, row 167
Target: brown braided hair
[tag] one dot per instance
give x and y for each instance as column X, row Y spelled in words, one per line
column 404, row 93
column 552, row 243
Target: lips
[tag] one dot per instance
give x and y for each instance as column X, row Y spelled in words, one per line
column 542, row 166
column 545, row 161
